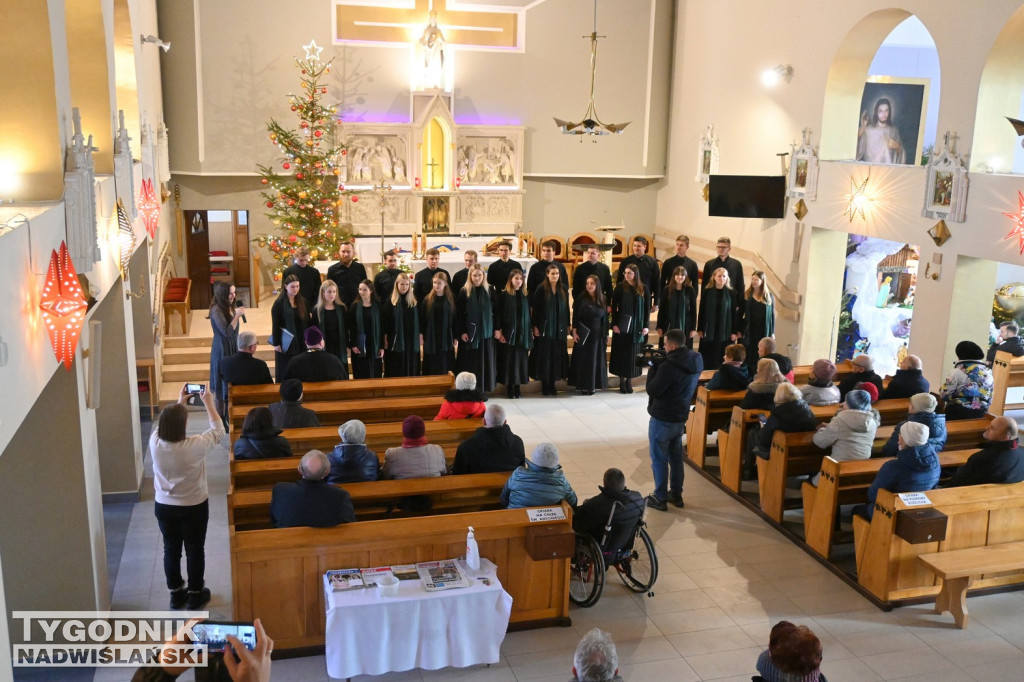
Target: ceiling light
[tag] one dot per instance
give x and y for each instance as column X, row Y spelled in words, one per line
column 772, row 77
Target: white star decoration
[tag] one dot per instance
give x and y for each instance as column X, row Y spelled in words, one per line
column 1018, row 222
column 857, row 199
column 312, row 51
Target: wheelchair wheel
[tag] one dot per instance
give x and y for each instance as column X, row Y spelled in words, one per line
column 639, row 570
column 586, row 572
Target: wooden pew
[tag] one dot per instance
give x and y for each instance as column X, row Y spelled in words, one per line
column 381, row 436
column 277, row 574
column 733, row 444
column 250, row 509
column 354, row 389
column 337, row 412
column 959, row 569
column 795, row 454
column 1007, row 372
column 847, row 483
column 713, row 410
column 977, row 516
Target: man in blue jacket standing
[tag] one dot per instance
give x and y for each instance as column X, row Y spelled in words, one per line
column 671, row 383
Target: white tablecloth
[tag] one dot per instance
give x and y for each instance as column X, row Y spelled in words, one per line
column 368, row 634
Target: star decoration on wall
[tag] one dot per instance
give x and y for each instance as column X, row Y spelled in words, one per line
column 1018, row 222
column 312, row 51
column 858, row 199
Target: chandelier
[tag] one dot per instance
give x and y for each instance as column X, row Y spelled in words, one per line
column 591, row 124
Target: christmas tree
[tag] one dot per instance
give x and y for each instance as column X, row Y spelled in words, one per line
column 305, row 197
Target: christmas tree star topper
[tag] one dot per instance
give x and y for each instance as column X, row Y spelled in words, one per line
column 312, row 51
column 1018, row 222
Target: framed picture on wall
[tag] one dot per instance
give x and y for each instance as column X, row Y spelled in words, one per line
column 945, row 194
column 803, row 170
column 892, row 117
column 707, row 155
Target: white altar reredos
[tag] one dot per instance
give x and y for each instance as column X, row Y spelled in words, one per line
column 445, row 178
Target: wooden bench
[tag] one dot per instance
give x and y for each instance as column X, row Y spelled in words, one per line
column 277, row 574
column 712, row 410
column 337, row 412
column 1007, row 372
column 353, row 389
column 250, row 509
column 960, row 567
column 977, row 516
column 801, row 373
column 795, row 454
column 732, row 444
column 847, row 483
column 177, row 298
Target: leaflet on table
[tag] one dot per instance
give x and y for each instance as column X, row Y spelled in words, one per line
column 345, row 579
column 406, row 572
column 442, row 575
column 373, row 576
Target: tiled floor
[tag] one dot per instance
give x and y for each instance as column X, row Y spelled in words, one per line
column 725, row 578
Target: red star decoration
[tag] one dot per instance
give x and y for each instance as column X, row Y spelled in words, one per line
column 63, row 306
column 149, row 207
column 1018, row 222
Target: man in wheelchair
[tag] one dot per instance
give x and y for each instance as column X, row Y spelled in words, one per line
column 591, row 516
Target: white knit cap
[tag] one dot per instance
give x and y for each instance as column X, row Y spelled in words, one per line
column 914, row 434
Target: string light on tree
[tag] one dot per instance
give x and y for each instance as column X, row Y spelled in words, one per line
column 303, row 194
column 1018, row 222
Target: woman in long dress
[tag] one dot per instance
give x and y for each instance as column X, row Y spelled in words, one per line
column 474, row 330
column 719, row 322
column 329, row 315
column 549, row 360
column 678, row 309
column 290, row 313
column 401, row 331
column 224, row 317
column 758, row 316
column 513, row 334
column 436, row 314
column 588, row 369
column 629, row 319
column 365, row 340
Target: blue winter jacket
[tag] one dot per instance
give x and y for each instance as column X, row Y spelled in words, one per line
column 536, row 486
column 915, row 469
column 352, row 463
column 936, row 424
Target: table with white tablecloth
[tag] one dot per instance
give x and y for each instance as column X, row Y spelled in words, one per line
column 371, row 634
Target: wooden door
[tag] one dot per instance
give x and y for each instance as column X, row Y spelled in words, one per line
column 197, row 254
column 240, row 249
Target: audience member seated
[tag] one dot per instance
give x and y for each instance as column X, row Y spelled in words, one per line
column 922, row 411
column 465, row 401
column 243, row 368
column 289, row 413
column 591, row 517
column 493, row 447
column 868, row 388
column 793, row 655
column 761, row 390
column 538, row 483
column 1007, row 341
column 311, row 501
column 968, row 390
column 766, row 349
column 596, row 659
column 915, row 469
column 863, row 370
column 352, row 461
column 415, row 458
column 851, row 432
column 260, row 439
column 790, row 415
column 1000, row 461
column 819, row 389
column 909, row 380
column 315, row 364
column 733, row 374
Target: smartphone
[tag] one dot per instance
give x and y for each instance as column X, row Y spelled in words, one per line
column 195, row 388
column 214, row 634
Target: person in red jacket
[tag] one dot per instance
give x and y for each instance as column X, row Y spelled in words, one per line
column 465, row 401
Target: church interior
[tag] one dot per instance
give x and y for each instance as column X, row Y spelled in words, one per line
column 135, row 149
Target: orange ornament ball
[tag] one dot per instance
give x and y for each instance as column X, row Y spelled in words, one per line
column 337, row 171
column 301, row 233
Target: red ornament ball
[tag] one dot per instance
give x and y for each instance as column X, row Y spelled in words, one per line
column 294, row 108
column 299, row 176
column 355, row 199
column 318, row 214
column 264, row 181
column 344, row 152
column 291, row 202
column 318, row 133
column 286, row 165
column 303, row 72
column 292, row 238
column 270, row 204
column 323, row 90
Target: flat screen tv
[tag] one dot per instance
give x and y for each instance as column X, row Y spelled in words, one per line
column 747, row 196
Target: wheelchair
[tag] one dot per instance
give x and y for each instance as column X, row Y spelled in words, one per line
column 626, row 547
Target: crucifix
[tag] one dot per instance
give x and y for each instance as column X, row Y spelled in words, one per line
column 382, row 188
column 431, row 165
